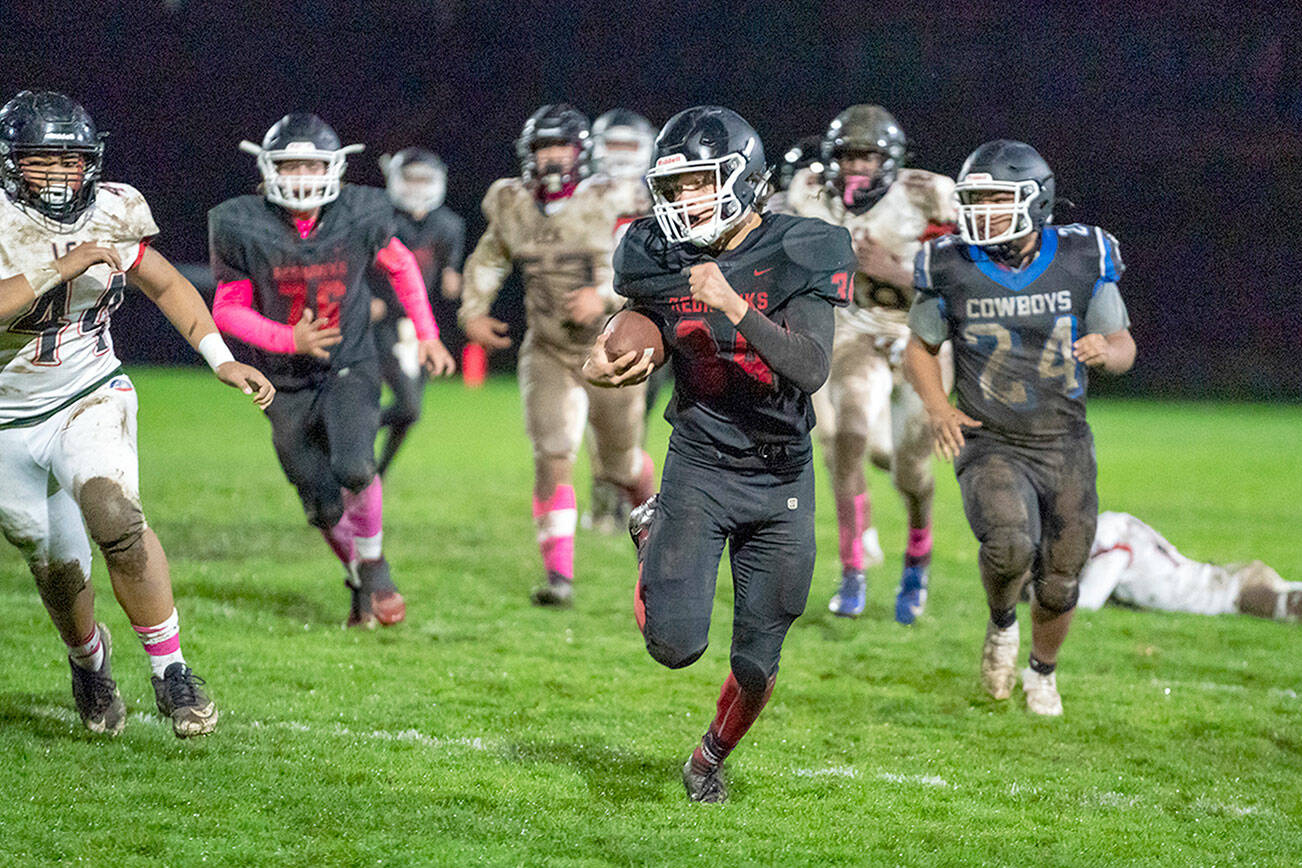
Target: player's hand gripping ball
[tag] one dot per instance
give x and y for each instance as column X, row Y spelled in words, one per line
column 629, row 331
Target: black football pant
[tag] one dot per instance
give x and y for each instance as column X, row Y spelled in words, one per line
column 408, row 392
column 767, row 518
column 325, row 438
column 1034, row 511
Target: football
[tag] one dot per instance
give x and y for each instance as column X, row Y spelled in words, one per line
column 631, row 331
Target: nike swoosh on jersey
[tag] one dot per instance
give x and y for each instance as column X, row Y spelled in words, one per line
column 760, row 271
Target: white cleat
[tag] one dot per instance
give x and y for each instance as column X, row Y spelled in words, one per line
column 999, row 660
column 1041, row 692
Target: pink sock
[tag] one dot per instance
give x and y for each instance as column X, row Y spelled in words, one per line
column 340, row 540
column 162, row 643
column 365, row 509
column 919, row 547
column 556, row 520
column 851, row 519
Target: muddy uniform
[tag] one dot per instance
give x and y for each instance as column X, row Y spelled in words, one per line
column 866, row 394
column 1028, row 474
column 67, row 412
column 739, row 468
column 556, row 254
column 326, row 412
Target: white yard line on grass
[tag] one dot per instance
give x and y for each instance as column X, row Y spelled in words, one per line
column 892, row 777
column 1214, row 687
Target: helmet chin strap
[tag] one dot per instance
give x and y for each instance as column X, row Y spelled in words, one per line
column 1013, row 253
column 860, row 193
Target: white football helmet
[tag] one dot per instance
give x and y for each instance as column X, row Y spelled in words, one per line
column 416, row 179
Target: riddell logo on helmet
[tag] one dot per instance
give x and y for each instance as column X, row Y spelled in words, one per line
column 671, row 160
column 61, row 136
column 979, row 176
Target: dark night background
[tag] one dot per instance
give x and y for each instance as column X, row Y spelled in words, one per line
column 1177, row 127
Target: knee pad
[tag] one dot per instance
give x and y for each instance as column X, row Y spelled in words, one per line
column 751, row 676
column 115, row 521
column 353, row 474
column 1057, row 593
column 1007, row 554
column 671, row 655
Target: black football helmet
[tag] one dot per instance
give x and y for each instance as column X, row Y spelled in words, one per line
column 708, row 139
column 416, row 179
column 301, row 136
column 806, row 153
column 1009, row 167
column 633, row 137
column 45, row 123
column 863, row 127
column 555, row 123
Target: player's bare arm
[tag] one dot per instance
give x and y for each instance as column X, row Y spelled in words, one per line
column 585, row 305
column 19, row 291
column 180, row 302
column 450, row 283
column 628, row 370
column 1114, row 353
column 922, row 369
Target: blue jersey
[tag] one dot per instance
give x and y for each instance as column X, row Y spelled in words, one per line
column 1013, row 329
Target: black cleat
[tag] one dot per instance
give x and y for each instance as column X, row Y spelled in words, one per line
column 381, row 595
column 557, row 592
column 96, row 693
column 707, row 788
column 639, row 521
column 180, row 697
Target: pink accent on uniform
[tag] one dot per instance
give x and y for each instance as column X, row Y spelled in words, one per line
column 161, row 639
column 304, row 226
column 340, row 540
column 851, row 519
column 558, row 550
column 408, row 284
column 563, row 193
column 919, row 542
column 364, row 511
column 734, row 715
column 232, row 310
column 854, row 183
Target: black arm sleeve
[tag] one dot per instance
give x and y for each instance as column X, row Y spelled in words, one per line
column 800, row 349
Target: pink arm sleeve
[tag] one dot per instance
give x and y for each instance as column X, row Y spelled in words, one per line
column 409, row 286
column 232, row 310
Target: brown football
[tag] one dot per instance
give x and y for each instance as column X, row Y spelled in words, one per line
column 630, row 331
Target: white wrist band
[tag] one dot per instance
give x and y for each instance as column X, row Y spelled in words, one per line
column 214, row 350
column 43, row 279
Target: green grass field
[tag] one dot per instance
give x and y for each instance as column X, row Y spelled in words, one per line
column 485, row 731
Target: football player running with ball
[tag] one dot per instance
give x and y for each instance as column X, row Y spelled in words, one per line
column 557, row 227
column 744, row 301
column 867, row 407
column 68, row 244
column 290, row 268
column 1030, row 307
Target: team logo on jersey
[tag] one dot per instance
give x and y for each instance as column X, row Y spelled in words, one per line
column 793, row 503
column 120, row 384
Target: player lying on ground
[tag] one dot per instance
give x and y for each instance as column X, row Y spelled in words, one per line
column 290, row 269
column 557, row 227
column 867, row 408
column 1030, row 307
column 744, row 303
column 1134, row 565
column 68, row 412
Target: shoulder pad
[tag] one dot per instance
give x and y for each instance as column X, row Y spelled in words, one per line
column 816, row 245
column 930, row 193
column 498, row 193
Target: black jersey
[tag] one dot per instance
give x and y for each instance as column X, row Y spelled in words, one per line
column 437, row 241
column 251, row 239
column 726, row 398
column 1013, row 329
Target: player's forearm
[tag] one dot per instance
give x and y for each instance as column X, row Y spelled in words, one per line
column 1121, row 352
column 409, row 286
column 175, row 296
column 922, row 370
column 482, row 278
column 800, row 352
column 16, row 295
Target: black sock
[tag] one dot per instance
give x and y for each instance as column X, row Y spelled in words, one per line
column 1041, row 667
column 1003, row 618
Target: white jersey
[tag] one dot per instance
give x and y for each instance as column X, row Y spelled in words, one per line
column 60, row 348
column 1133, row 564
column 895, row 226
